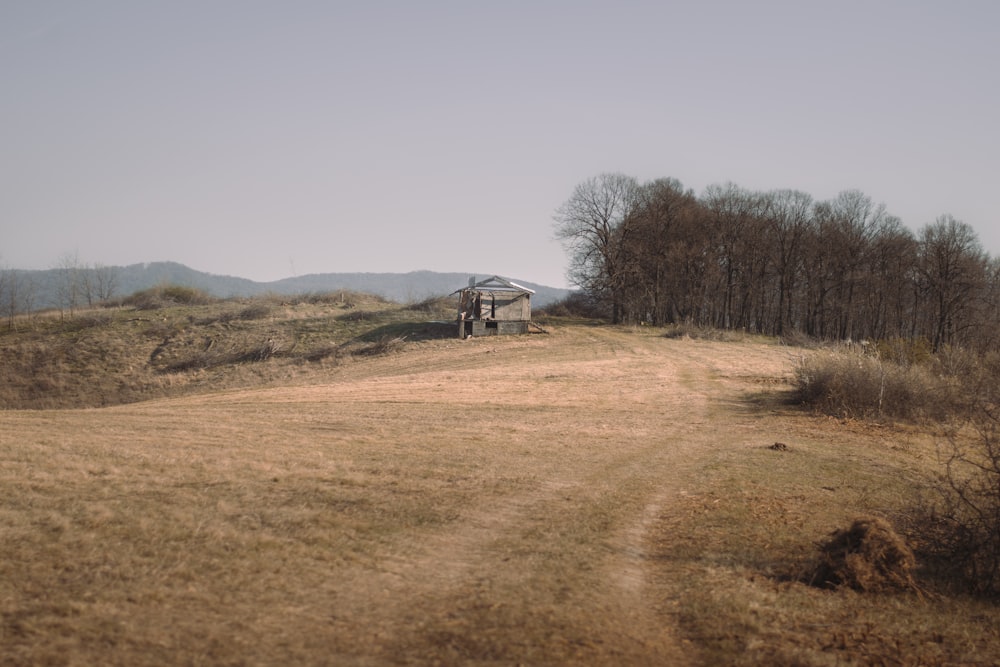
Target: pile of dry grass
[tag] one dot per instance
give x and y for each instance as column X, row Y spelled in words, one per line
column 869, row 557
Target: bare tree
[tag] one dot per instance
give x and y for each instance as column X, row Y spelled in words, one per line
column 735, row 217
column 887, row 311
column 987, row 339
column 953, row 268
column 777, row 261
column 847, row 225
column 662, row 223
column 788, row 215
column 69, row 283
column 105, row 281
column 17, row 295
column 5, row 303
column 592, row 227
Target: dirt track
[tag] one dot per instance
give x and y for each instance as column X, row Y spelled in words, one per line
column 487, row 501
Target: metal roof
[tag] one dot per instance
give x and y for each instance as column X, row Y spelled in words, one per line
column 497, row 284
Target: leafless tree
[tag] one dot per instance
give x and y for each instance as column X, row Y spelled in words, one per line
column 953, row 268
column 776, row 262
column 662, row 237
column 848, row 223
column 787, row 215
column 105, row 281
column 592, row 227
column 891, row 301
column 69, row 284
column 17, row 294
column 734, row 215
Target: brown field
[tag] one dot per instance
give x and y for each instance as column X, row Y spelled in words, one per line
column 595, row 496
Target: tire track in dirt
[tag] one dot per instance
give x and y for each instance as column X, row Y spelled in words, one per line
column 455, row 594
column 555, row 567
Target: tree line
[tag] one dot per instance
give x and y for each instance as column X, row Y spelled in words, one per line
column 776, row 262
column 76, row 284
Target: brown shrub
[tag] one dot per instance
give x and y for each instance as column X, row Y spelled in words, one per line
column 861, row 386
column 576, row 304
column 256, row 311
column 384, row 345
column 961, row 531
column 869, row 557
column 158, row 297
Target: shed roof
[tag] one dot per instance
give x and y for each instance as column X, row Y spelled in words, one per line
column 496, row 284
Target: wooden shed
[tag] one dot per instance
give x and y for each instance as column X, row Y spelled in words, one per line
column 492, row 307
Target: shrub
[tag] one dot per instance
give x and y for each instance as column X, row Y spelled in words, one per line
column 967, row 517
column 384, row 345
column 257, row 311
column 158, row 297
column 860, row 386
column 685, row 330
column 796, row 338
column 577, row 304
column 436, row 306
column 189, row 296
column 904, row 351
column 357, row 316
column 345, row 298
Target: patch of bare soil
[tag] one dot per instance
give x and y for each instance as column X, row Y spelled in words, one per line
column 492, row 501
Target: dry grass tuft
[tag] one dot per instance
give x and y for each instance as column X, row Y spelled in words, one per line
column 868, row 557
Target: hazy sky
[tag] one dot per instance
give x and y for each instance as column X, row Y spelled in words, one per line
column 270, row 139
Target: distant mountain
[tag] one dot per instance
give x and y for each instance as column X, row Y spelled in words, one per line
column 400, row 287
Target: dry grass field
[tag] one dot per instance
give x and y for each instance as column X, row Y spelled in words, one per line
column 594, row 496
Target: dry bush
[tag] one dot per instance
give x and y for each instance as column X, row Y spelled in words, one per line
column 686, row 330
column 321, row 353
column 346, row 298
column 256, row 311
column 905, row 351
column 155, row 298
column 212, row 358
column 868, row 557
column 436, row 305
column 88, row 320
column 796, row 338
column 384, row 345
column 861, row 386
column 189, row 296
column 357, row 316
column 148, row 299
column 577, row 304
column 963, row 535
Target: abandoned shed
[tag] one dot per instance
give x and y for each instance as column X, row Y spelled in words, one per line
column 493, row 306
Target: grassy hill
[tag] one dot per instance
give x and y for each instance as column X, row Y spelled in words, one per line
column 338, row 479
column 160, row 345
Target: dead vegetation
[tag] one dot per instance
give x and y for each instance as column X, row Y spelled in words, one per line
column 170, row 341
column 894, row 380
column 365, row 492
column 869, row 557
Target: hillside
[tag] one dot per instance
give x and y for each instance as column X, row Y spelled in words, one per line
column 159, row 348
column 337, row 481
column 398, row 287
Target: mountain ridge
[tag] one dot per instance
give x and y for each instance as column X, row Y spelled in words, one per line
column 405, row 287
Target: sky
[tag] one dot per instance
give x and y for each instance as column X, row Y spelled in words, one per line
column 269, row 139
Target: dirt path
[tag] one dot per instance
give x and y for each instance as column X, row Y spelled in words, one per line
column 496, row 497
column 567, row 554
